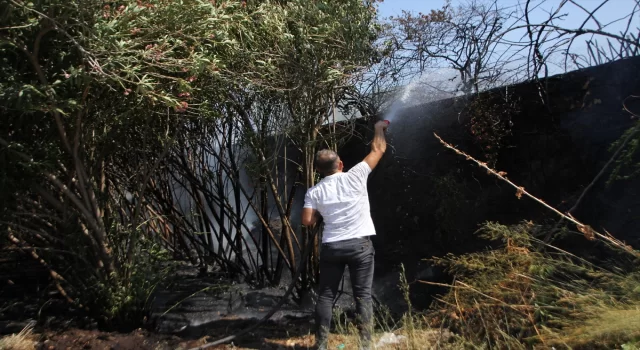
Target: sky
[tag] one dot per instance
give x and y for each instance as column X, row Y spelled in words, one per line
column 610, row 11
column 574, row 16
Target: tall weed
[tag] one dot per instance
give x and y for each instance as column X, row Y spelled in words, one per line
column 529, row 293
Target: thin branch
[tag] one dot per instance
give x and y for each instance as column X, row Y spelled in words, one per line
column 589, row 232
column 575, row 31
column 604, row 169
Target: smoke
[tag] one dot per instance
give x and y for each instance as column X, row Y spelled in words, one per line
column 424, row 88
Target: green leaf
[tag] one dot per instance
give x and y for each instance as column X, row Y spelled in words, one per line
column 60, row 111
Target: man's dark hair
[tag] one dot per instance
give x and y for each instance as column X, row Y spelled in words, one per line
column 327, row 161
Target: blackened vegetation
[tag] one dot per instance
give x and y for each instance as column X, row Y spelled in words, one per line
column 426, row 201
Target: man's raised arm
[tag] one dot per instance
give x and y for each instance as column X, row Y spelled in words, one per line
column 378, row 145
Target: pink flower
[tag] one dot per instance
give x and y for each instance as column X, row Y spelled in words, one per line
column 127, row 92
column 191, row 79
column 182, row 107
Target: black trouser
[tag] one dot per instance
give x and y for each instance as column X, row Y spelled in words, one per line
column 358, row 254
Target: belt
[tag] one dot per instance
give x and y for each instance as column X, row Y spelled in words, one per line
column 350, row 240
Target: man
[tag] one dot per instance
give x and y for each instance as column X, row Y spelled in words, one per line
column 341, row 199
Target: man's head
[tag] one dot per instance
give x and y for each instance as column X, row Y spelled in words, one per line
column 328, row 162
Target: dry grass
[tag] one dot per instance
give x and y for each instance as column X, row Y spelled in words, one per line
column 603, row 331
column 527, row 293
column 423, row 339
column 25, row 340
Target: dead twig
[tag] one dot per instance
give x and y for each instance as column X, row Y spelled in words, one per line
column 604, row 169
column 589, row 232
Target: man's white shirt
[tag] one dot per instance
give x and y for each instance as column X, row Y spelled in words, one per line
column 343, row 202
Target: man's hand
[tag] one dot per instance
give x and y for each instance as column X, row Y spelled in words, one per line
column 378, row 145
column 381, row 125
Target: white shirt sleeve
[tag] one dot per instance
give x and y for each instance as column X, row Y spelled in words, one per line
column 360, row 172
column 309, row 202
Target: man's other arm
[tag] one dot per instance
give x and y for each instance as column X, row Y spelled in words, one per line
column 378, row 145
column 310, row 216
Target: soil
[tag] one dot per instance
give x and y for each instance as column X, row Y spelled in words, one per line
column 270, row 336
column 87, row 339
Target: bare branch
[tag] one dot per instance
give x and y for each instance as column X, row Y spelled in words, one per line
column 589, row 232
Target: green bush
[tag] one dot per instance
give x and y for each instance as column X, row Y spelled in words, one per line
column 96, row 96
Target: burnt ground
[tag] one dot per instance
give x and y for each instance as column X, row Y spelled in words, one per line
column 295, row 335
column 92, row 339
column 189, row 311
